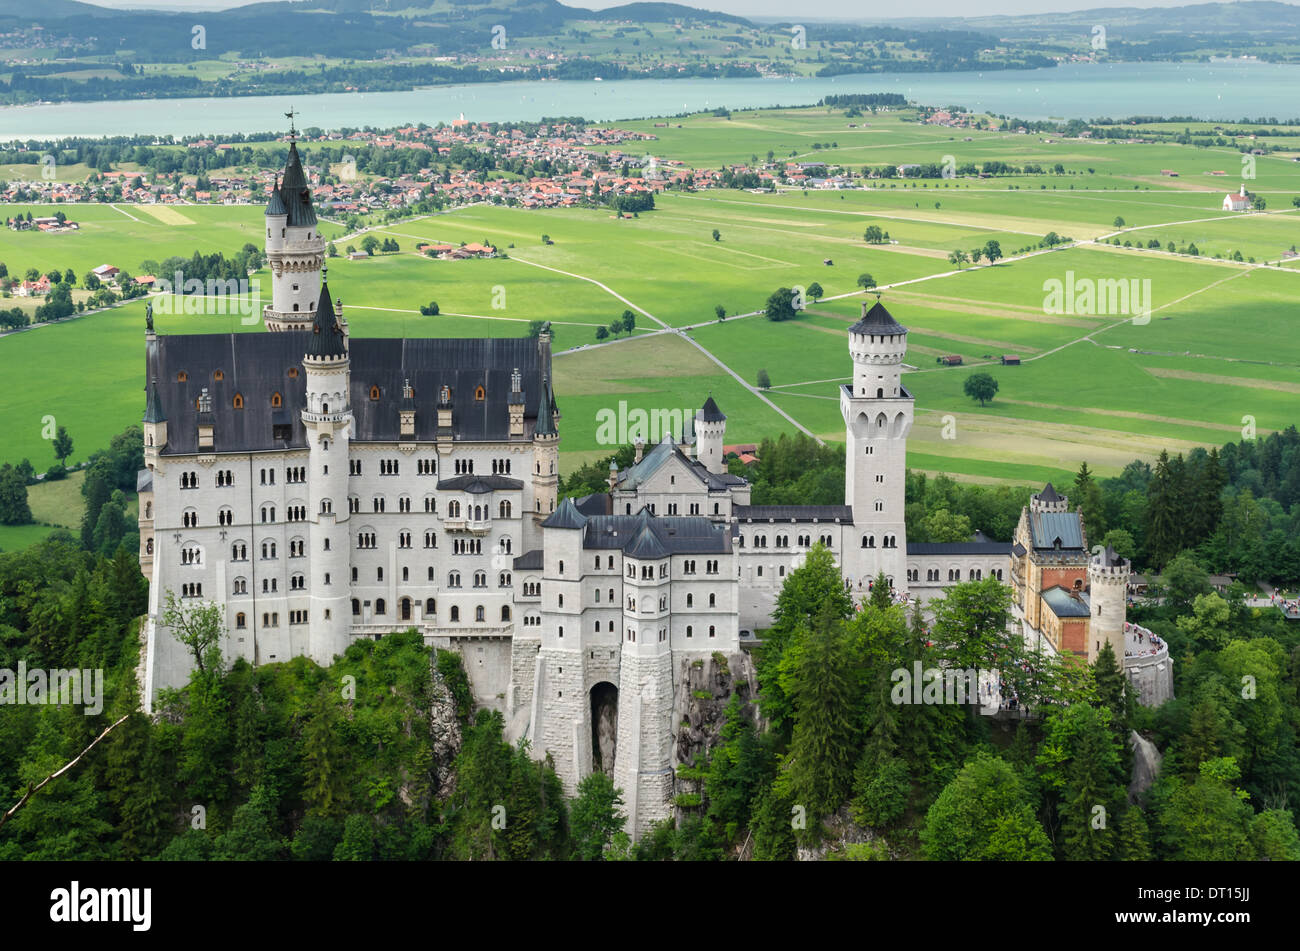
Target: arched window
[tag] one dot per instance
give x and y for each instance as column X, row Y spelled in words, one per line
column 455, row 614
column 374, row 392
column 379, row 606
column 276, row 400
column 479, row 613
column 240, row 620
column 505, row 612
column 479, row 394
column 356, row 607
column 239, row 401
column 430, row 607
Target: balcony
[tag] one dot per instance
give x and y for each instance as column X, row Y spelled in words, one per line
column 474, row 526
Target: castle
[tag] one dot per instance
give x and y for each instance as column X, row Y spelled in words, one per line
column 322, row 488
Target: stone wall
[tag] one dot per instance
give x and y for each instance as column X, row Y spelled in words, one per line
column 1152, row 676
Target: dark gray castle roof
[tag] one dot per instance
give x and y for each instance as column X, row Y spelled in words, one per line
column 1056, row 530
column 294, row 192
column 1064, row 604
column 276, row 205
column 326, row 334
column 634, row 475
column 566, row 516
column 710, row 412
column 990, row 549
column 545, row 411
column 153, row 411
column 257, row 365
column 653, row 536
column 479, row 484
column 529, row 561
column 793, row 513
column 1049, row 494
column 878, row 321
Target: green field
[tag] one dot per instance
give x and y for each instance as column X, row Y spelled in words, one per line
column 1219, row 348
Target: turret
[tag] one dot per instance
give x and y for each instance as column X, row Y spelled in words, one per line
column 878, row 413
column 710, row 431
column 1108, row 577
column 327, row 419
column 546, row 441
column 1049, row 500
column 155, row 425
column 295, row 249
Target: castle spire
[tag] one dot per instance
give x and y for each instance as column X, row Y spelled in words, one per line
column 326, row 334
column 545, row 424
column 153, row 411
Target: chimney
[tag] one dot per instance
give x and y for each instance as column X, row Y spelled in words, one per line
column 407, row 412
column 205, row 421
column 640, row 449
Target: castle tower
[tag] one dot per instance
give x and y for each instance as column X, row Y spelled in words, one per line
column 546, row 443
column 643, row 766
column 327, row 418
column 1108, row 577
column 295, row 249
column 710, row 430
column 878, row 413
column 155, row 440
column 1049, row 500
column 561, row 714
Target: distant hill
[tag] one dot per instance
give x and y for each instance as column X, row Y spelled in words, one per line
column 1261, row 17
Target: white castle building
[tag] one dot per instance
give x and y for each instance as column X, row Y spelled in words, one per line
column 322, row 488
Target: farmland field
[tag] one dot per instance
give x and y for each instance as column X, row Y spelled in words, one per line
column 1213, row 347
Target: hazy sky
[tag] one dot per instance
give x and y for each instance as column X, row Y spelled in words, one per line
column 787, row 9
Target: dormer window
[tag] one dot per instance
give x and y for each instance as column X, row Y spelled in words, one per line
column 276, row 401
column 293, row 373
column 479, row 394
column 182, row 376
column 239, row 401
column 218, row 374
column 374, row 392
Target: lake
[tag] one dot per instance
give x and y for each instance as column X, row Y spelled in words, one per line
column 1084, row 91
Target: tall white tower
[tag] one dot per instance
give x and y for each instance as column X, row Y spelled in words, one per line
column 1108, row 577
column 710, row 430
column 327, row 418
column 295, row 249
column 878, row 414
column 643, row 766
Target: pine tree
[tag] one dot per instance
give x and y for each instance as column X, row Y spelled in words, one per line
column 1088, row 502
column 1112, row 688
column 1134, row 843
column 1162, row 514
column 323, row 792
column 1091, row 799
column 823, row 750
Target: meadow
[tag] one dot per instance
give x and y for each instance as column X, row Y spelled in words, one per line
column 1218, row 353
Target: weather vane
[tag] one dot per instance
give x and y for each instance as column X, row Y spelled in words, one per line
column 289, row 115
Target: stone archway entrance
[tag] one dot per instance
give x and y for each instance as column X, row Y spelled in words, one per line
column 604, row 726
